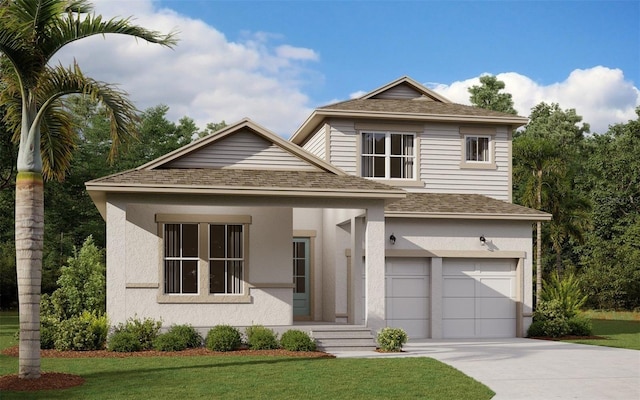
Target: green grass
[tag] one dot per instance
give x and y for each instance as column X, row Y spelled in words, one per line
column 231, row 377
column 616, row 333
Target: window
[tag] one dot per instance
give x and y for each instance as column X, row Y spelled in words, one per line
column 205, row 258
column 181, row 258
column 388, row 155
column 477, row 149
column 226, row 259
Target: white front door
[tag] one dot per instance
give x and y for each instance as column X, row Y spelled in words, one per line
column 301, row 278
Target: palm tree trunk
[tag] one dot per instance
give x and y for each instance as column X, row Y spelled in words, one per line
column 29, row 241
column 539, row 239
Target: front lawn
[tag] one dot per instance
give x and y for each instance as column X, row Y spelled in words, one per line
column 616, row 329
column 236, row 377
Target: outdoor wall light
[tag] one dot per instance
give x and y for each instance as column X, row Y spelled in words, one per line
column 392, row 239
column 483, row 240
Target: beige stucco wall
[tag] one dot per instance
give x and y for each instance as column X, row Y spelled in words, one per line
column 134, row 263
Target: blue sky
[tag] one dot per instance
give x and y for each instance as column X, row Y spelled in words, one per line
column 274, row 61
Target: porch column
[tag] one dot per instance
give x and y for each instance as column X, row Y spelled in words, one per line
column 436, row 298
column 374, row 243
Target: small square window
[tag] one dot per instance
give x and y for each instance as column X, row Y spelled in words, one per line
column 477, row 149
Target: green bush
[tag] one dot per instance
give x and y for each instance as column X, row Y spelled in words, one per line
column 566, row 292
column 223, row 338
column 123, row 342
column 179, row 337
column 81, row 333
column 145, row 331
column 261, row 338
column 47, row 332
column 296, row 340
column 551, row 319
column 580, row 326
column 392, row 339
column 536, row 329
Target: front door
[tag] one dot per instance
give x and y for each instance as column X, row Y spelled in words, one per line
column 301, row 278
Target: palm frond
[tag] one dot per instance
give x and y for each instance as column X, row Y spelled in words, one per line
column 60, row 81
column 57, row 142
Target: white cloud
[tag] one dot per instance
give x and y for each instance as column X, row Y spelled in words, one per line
column 600, row 95
column 206, row 76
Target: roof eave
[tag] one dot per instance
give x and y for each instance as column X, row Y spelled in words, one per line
column 476, row 216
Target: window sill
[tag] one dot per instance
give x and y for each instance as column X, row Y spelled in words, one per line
column 203, row 299
column 478, row 165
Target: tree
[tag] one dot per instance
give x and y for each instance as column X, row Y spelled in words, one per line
column 33, row 31
column 544, row 155
column 487, row 95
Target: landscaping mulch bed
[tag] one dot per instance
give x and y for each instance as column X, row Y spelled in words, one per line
column 557, row 339
column 55, row 380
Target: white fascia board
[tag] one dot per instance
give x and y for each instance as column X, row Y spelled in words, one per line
column 477, row 216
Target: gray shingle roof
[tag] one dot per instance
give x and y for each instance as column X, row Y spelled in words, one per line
column 460, row 204
column 239, row 178
column 414, row 106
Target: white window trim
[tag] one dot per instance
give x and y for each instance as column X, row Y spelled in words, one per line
column 227, row 259
column 203, row 295
column 467, row 132
column 387, row 157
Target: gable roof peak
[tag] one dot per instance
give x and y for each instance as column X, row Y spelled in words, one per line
column 421, row 90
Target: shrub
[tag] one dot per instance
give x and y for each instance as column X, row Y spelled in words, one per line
column 223, row 338
column 179, row 337
column 551, row 319
column 47, row 332
column 536, row 329
column 296, row 340
column 261, row 338
column 580, row 326
column 566, row 291
column 392, row 339
column 144, row 331
column 80, row 333
column 123, row 342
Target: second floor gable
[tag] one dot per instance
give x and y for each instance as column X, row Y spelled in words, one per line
column 406, row 135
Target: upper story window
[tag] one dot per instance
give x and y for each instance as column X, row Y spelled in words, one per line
column 388, row 155
column 477, row 148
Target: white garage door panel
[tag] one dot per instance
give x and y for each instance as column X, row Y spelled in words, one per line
column 408, row 308
column 496, row 308
column 458, row 287
column 458, row 307
column 407, row 295
column 457, row 328
column 408, row 286
column 479, row 298
column 497, row 328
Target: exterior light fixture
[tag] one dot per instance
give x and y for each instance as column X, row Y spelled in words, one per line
column 392, row 239
column 483, row 240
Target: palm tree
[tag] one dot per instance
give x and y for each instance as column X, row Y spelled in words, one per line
column 536, row 160
column 31, row 33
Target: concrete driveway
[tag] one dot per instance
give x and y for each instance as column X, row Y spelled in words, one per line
column 535, row 369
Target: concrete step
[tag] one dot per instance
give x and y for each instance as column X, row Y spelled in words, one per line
column 344, row 339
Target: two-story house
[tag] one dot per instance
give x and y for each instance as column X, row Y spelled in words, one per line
column 393, row 209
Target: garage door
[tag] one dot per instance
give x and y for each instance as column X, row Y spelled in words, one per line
column 407, row 295
column 479, row 298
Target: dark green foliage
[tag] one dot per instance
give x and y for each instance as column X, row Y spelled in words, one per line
column 297, row 340
column 144, row 331
column 47, row 332
column 536, row 329
column 580, row 326
column 487, row 95
column 566, row 291
column 391, row 339
column 261, row 338
column 123, row 342
column 178, row 338
column 223, row 338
